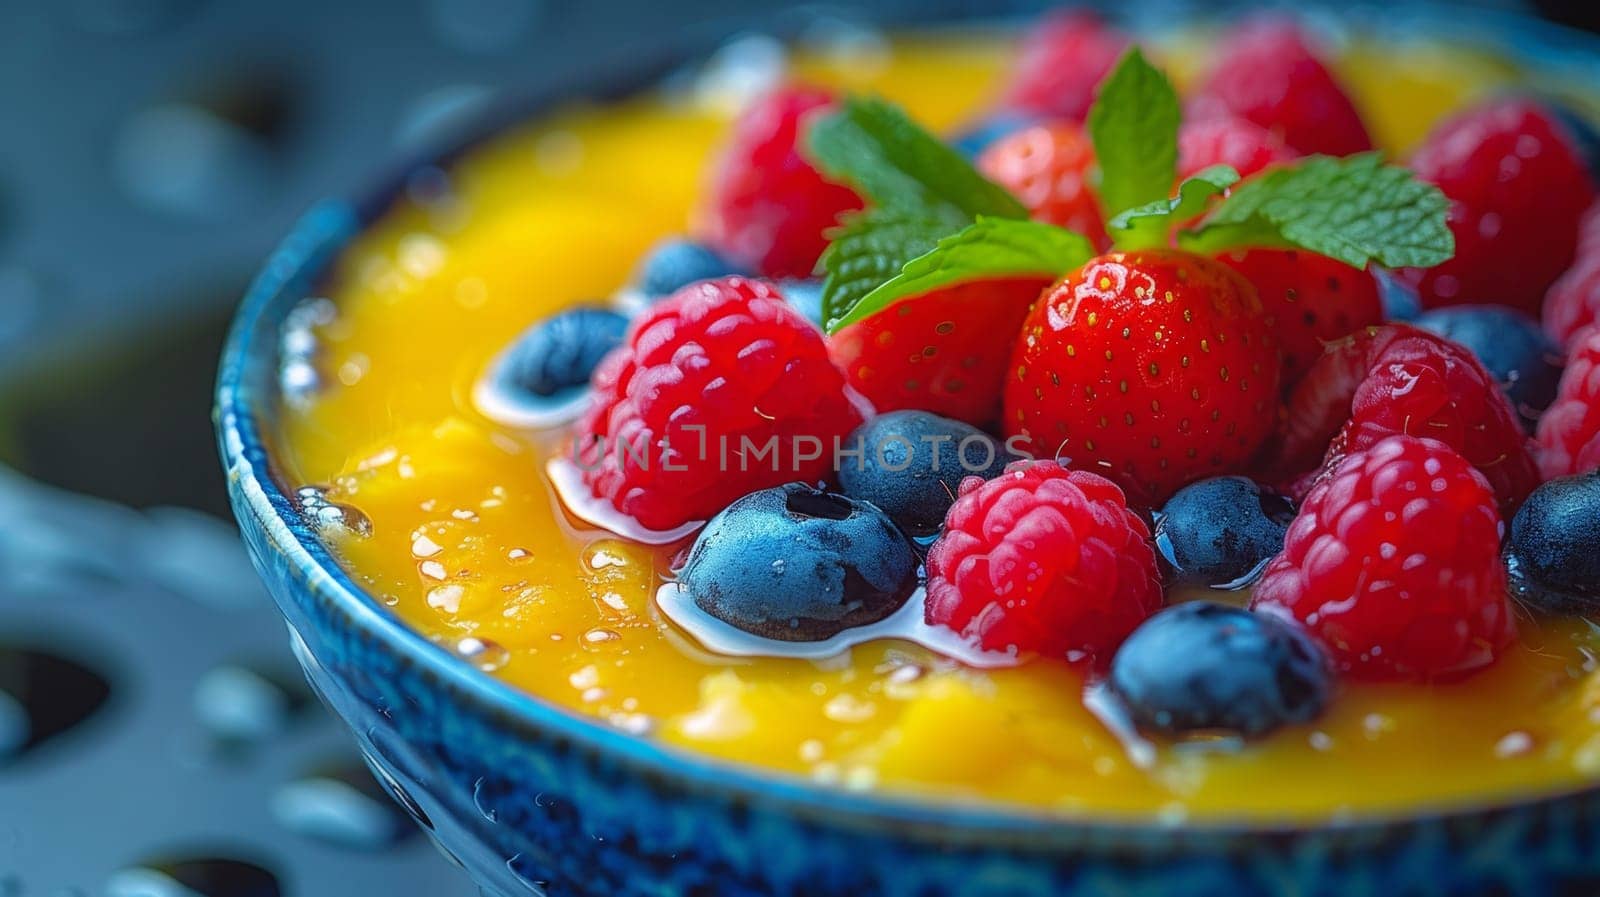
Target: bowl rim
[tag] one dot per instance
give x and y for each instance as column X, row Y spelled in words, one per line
column 314, row 244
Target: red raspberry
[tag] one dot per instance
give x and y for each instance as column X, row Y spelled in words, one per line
column 1573, row 303
column 1267, row 73
column 1517, row 190
column 1063, row 60
column 1398, row 379
column 1310, row 300
column 1569, row 431
column 1228, row 140
column 1394, row 563
column 1043, row 559
column 716, row 363
column 769, row 208
column 1050, row 168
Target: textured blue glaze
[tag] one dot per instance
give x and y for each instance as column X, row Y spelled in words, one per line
column 532, row 798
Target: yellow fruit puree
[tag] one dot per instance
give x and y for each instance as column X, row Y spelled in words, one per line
column 469, row 545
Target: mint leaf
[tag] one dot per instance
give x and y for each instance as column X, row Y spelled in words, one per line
column 1354, row 209
column 988, row 248
column 870, row 248
column 1151, row 224
column 876, row 148
column 1134, row 126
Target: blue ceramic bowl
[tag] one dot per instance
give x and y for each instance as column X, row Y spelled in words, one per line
column 533, row 799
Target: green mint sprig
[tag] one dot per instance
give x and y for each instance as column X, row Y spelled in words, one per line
column 1134, row 127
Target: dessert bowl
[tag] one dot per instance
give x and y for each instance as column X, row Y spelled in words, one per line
column 531, row 797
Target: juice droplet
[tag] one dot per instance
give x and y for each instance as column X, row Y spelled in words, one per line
column 483, row 653
column 601, row 636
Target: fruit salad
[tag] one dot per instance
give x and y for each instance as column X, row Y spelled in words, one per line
column 1192, row 425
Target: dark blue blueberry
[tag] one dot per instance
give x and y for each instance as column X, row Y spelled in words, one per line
column 1553, row 551
column 1400, row 300
column 798, row 564
column 1221, row 532
column 1208, row 667
column 978, row 137
column 1511, row 345
column 1585, row 138
column 674, row 264
column 805, row 296
column 560, row 352
column 912, row 463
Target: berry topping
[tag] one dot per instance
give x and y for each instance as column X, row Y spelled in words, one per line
column 770, row 209
column 1569, row 432
column 1550, row 552
column 674, row 264
column 1394, row 563
column 1062, row 61
column 1310, row 300
column 1043, row 559
column 1398, row 379
column 946, row 351
column 1221, row 532
column 1228, row 140
column 1268, row 74
column 722, row 389
column 1512, row 348
column 1209, row 668
column 911, row 464
column 560, row 352
column 797, row 564
column 1517, row 190
column 1153, row 368
column 1051, row 169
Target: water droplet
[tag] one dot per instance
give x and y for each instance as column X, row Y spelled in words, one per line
column 236, row 704
column 198, row 877
column 600, row 636
column 604, row 555
column 343, row 806
column 330, row 517
column 446, row 598
column 424, row 547
column 482, row 653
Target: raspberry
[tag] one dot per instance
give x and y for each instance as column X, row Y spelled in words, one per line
column 769, row 208
column 1062, row 61
column 1043, row 559
column 1517, row 191
column 1398, row 379
column 1050, row 169
column 1228, row 140
column 1573, row 303
column 1394, row 563
column 1267, row 73
column 1569, row 432
column 715, row 364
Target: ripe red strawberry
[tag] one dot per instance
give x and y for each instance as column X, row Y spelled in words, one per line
column 1267, row 73
column 1394, row 563
column 714, row 364
column 769, row 208
column 1310, row 300
column 1569, row 431
column 1398, row 379
column 946, row 352
column 1152, row 368
column 1061, row 63
column 1228, row 140
column 1043, row 559
column 1517, row 190
column 1050, row 168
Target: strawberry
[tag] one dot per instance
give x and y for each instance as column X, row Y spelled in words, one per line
column 1310, row 300
column 1062, row 61
column 946, row 351
column 1152, row 368
column 1051, row 169
column 1229, row 140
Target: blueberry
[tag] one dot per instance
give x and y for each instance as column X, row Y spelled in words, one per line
column 1511, row 345
column 560, row 352
column 1399, row 298
column 674, row 264
column 1221, row 532
column 1552, row 552
column 912, row 463
column 799, row 564
column 1585, row 138
column 979, row 137
column 1208, row 667
column 805, row 296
